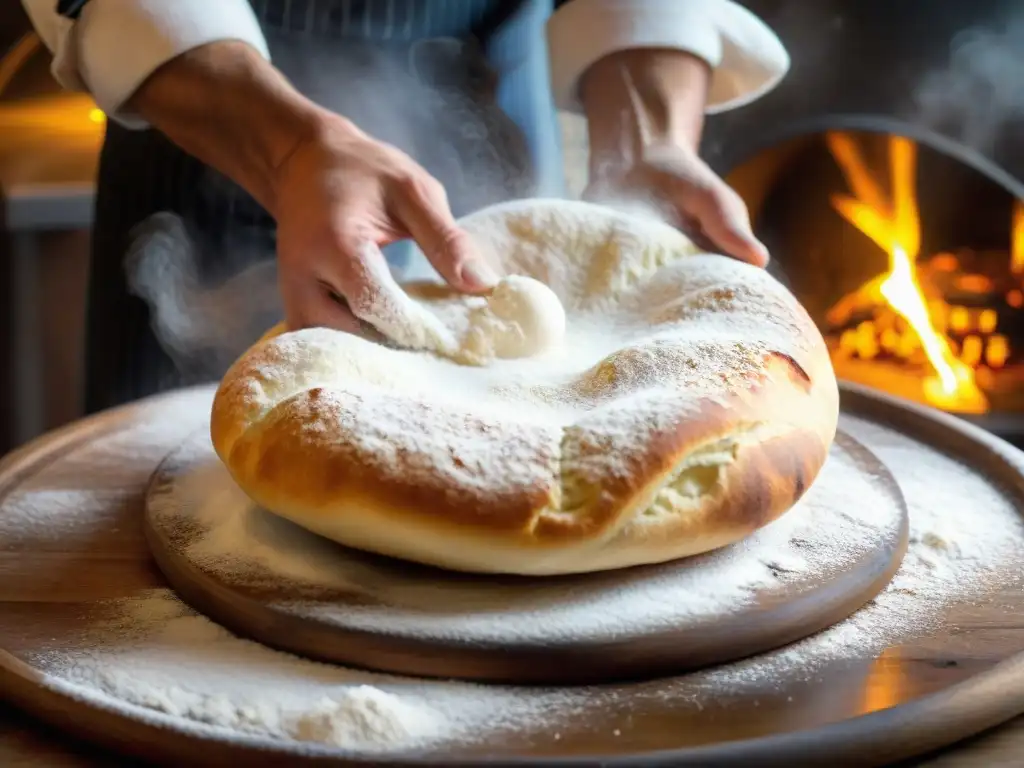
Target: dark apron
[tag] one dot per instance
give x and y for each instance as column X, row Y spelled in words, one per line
column 183, row 276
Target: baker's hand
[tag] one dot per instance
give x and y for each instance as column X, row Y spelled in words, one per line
column 337, row 194
column 338, row 197
column 687, row 193
column 645, row 113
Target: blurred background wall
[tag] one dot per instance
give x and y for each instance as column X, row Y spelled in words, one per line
column 48, row 148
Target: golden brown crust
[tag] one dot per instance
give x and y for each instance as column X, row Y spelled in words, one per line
column 768, row 478
column 656, row 461
column 333, row 467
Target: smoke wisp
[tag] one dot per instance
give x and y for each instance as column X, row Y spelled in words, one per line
column 202, row 327
column 432, row 99
column 981, row 90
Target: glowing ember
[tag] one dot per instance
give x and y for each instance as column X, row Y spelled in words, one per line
column 1017, row 239
column 895, row 226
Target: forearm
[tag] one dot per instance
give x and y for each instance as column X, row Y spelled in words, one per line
column 115, row 45
column 746, row 59
column 229, row 107
column 641, row 98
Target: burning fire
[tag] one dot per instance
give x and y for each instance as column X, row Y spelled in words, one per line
column 894, row 224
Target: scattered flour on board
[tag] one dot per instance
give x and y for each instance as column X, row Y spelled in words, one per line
column 214, row 525
column 154, row 658
column 155, row 653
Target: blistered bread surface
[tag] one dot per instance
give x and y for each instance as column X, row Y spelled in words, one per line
column 691, row 402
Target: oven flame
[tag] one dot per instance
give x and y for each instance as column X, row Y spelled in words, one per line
column 894, row 225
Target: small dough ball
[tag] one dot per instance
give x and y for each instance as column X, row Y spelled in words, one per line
column 522, row 318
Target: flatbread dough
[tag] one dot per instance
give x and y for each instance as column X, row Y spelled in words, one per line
column 690, row 402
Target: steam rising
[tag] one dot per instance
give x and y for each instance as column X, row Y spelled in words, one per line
column 981, row 90
column 203, row 327
column 426, row 104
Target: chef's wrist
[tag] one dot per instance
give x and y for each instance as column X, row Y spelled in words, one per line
column 636, row 99
column 228, row 106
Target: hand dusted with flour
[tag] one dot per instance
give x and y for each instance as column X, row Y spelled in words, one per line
column 691, row 402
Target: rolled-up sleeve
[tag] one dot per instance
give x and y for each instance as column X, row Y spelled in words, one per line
column 746, row 57
column 116, row 44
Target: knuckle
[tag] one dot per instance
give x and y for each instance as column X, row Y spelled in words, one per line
column 455, row 241
column 346, row 230
column 342, row 243
column 455, row 247
column 735, row 208
column 432, row 185
column 390, row 156
column 414, row 187
column 707, row 191
column 730, row 196
column 721, row 199
column 443, row 245
column 419, row 185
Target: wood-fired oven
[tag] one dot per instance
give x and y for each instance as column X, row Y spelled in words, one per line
column 885, row 176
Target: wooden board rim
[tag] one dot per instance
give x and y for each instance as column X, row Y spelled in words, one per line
column 926, row 724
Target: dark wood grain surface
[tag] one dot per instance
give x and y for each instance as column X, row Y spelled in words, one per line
column 945, row 686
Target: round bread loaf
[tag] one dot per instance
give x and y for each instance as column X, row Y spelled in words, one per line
column 691, row 401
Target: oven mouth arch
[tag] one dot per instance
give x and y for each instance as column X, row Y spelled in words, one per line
column 729, row 163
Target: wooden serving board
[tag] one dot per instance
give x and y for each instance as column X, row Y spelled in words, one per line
column 71, row 535
column 320, row 600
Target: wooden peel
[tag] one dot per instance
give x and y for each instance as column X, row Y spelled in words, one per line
column 951, row 685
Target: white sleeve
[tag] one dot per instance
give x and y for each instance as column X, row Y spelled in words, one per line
column 115, row 45
column 746, row 57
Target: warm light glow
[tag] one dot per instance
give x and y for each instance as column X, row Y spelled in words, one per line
column 848, row 342
column 889, row 682
column 96, row 115
column 1017, row 238
column 16, row 57
column 890, row 339
column 894, row 225
column 997, row 352
column 970, row 351
column 974, row 284
column 959, row 319
column 988, row 320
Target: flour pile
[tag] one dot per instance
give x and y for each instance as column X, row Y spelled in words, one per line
column 155, row 653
